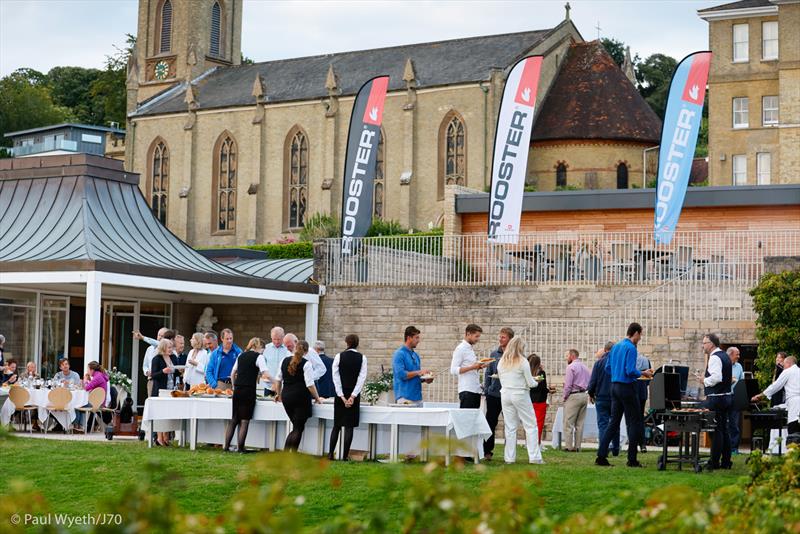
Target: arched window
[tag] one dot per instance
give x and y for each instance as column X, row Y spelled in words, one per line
column 296, row 178
column 216, row 24
column 378, row 195
column 622, row 176
column 561, row 174
column 158, row 179
column 165, row 27
column 452, row 152
column 224, row 182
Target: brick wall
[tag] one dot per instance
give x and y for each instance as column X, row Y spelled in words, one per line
column 246, row 320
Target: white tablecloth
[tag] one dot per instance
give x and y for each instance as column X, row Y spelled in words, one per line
column 383, row 429
column 589, row 427
column 39, row 398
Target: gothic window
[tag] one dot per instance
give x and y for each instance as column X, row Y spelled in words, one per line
column 158, row 179
column 452, row 152
column 561, row 174
column 216, row 23
column 622, row 176
column 224, row 181
column 297, row 179
column 165, row 35
column 378, row 196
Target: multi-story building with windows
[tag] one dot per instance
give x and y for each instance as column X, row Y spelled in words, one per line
column 754, row 92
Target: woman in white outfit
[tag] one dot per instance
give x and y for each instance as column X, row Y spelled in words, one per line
column 516, row 382
column 196, row 361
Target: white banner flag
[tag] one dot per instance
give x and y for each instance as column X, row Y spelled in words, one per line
column 511, row 146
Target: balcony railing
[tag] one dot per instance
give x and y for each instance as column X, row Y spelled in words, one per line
column 47, row 146
column 564, row 258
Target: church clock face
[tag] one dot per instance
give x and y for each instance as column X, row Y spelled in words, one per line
column 161, row 70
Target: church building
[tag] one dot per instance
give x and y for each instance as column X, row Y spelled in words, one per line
column 232, row 154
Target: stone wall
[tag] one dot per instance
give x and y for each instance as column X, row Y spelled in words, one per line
column 779, row 264
column 246, row 320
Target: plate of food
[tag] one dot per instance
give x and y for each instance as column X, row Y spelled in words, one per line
column 426, row 377
column 486, row 360
column 644, row 378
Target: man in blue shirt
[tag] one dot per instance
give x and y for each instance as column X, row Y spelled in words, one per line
column 407, row 369
column 600, row 394
column 220, row 363
column 624, row 398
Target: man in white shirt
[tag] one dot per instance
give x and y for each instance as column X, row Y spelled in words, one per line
column 789, row 382
column 274, row 353
column 465, row 366
column 717, row 382
column 150, row 353
column 290, row 341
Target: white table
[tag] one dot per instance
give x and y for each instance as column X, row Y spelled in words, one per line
column 383, row 430
column 39, row 398
column 589, row 426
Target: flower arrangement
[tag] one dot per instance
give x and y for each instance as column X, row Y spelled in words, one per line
column 382, row 383
column 120, row 379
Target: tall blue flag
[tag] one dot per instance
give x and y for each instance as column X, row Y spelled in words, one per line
column 678, row 140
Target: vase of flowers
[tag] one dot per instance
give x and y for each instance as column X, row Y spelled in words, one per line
column 120, row 380
column 376, row 391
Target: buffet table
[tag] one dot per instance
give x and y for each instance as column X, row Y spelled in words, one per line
column 39, row 398
column 394, row 431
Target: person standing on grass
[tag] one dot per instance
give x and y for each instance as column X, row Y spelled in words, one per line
column 407, row 369
column 516, row 382
column 274, row 353
column 248, row 367
column 734, row 416
column 717, row 382
column 622, row 366
column 196, row 361
column 349, row 371
column 295, row 389
column 777, row 398
column 789, row 383
column 575, row 398
column 491, row 390
column 540, row 392
column 325, row 382
column 600, row 394
column 220, row 362
column 465, row 365
column 642, row 390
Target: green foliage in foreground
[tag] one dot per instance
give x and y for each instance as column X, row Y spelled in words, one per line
column 776, row 300
column 177, row 490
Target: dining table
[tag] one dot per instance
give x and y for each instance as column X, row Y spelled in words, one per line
column 39, row 398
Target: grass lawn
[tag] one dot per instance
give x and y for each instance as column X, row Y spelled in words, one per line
column 207, row 479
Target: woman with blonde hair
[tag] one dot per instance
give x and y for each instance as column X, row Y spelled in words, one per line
column 249, row 366
column 516, row 381
column 196, row 362
column 295, row 389
column 160, row 369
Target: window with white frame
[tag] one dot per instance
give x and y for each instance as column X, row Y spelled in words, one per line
column 763, row 167
column 740, row 112
column 769, row 110
column 741, row 42
column 769, row 40
column 740, row 170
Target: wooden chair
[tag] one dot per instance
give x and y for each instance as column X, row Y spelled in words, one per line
column 59, row 399
column 19, row 397
column 96, row 399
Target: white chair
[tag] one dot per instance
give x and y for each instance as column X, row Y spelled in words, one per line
column 19, row 397
column 96, row 399
column 623, row 263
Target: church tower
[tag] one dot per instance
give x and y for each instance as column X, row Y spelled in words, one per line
column 177, row 40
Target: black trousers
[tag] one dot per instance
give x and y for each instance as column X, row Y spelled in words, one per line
column 493, row 410
column 721, row 441
column 624, row 400
column 468, row 399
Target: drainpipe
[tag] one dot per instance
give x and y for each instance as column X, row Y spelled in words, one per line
column 644, row 164
column 485, row 89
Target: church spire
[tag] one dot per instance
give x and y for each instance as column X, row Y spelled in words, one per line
column 627, row 66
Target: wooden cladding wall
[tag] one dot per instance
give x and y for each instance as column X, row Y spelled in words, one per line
column 619, row 220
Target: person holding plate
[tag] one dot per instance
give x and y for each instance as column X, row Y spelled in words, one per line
column 465, row 366
column 407, row 369
column 349, row 371
column 516, row 382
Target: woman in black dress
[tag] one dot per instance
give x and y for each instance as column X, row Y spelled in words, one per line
column 539, row 393
column 295, row 389
column 249, row 366
column 349, row 375
column 160, row 369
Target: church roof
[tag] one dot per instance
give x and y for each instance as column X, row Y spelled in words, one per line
column 591, row 98
column 438, row 63
column 84, row 213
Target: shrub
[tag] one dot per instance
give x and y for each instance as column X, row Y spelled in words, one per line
column 568, row 188
column 776, row 300
column 283, row 251
column 381, row 227
column 320, row 226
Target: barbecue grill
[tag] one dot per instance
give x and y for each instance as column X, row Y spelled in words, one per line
column 688, row 423
column 763, row 420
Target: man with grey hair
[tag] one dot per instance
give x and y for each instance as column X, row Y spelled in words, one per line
column 290, row 341
column 325, row 386
column 274, row 353
column 789, row 382
column 734, row 416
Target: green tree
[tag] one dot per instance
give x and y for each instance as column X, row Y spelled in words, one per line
column 70, row 87
column 109, row 87
column 776, row 300
column 26, row 102
column 616, row 49
column 654, row 75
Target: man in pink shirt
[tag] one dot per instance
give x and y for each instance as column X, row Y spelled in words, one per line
column 576, row 383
